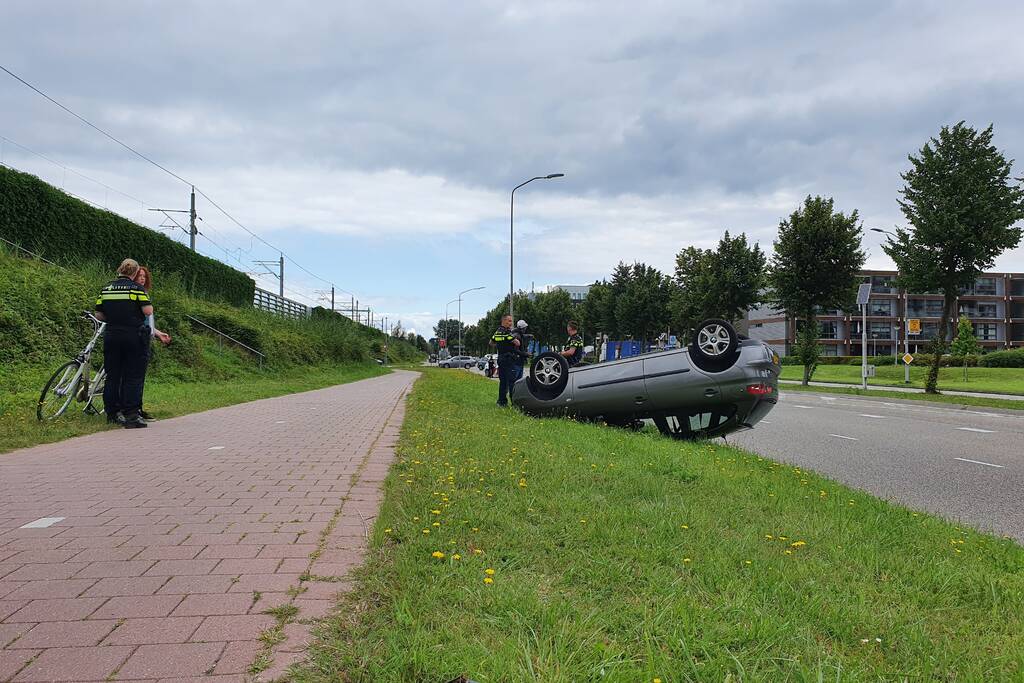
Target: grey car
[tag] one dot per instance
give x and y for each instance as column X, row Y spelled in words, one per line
column 716, row 385
column 457, row 362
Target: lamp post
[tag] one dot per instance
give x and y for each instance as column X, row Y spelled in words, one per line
column 511, row 230
column 906, row 318
column 460, row 313
column 446, row 322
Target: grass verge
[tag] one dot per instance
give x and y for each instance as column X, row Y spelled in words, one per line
column 164, row 398
column 978, row 401
column 986, row 380
column 513, row 549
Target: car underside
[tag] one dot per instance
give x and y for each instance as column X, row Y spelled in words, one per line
column 716, row 385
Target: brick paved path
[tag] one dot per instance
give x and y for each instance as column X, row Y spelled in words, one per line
column 176, row 539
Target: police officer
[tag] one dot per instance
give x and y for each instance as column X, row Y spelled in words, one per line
column 124, row 305
column 522, row 333
column 508, row 352
column 573, row 352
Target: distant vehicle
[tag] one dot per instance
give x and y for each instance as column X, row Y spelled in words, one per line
column 432, row 358
column 716, row 385
column 458, row 362
column 482, row 362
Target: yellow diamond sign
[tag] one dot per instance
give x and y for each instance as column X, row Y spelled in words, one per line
column 908, row 359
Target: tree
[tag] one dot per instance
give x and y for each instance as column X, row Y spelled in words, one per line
column 596, row 310
column 961, row 205
column 397, row 331
column 449, row 330
column 720, row 283
column 641, row 309
column 817, row 256
column 808, row 350
column 966, row 343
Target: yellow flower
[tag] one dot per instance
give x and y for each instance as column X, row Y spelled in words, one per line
column 684, row 526
column 456, row 556
column 798, row 544
column 488, row 580
column 426, row 531
column 489, row 571
column 769, row 536
column 789, row 552
column 686, row 560
column 746, row 561
column 436, row 524
column 477, row 551
column 657, row 680
column 438, row 554
column 522, row 483
column 435, row 512
column 388, row 530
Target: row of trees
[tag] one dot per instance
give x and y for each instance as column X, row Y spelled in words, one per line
column 961, row 205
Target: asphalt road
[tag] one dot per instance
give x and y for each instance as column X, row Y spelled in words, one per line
column 963, row 463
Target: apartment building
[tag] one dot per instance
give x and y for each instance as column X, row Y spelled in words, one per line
column 994, row 305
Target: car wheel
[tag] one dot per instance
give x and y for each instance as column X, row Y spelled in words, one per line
column 713, row 347
column 549, row 375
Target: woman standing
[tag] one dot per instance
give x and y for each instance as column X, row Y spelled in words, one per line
column 144, row 279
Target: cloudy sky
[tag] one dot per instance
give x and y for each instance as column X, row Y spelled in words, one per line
column 376, row 143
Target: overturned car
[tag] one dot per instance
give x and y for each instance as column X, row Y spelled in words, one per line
column 718, row 384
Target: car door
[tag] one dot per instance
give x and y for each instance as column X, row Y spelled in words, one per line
column 674, row 383
column 609, row 388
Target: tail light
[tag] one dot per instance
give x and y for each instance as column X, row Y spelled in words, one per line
column 760, row 389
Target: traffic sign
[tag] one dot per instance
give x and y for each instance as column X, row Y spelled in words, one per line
column 913, row 326
column 442, row 343
column 908, row 359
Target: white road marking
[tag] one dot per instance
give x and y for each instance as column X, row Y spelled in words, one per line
column 877, row 417
column 800, row 406
column 975, row 429
column 766, row 422
column 840, row 436
column 42, row 523
column 279, row 422
column 978, row 462
column 215, row 448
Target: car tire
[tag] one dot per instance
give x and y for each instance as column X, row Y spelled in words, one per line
column 713, row 347
column 549, row 375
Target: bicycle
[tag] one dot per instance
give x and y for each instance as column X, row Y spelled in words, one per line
column 75, row 381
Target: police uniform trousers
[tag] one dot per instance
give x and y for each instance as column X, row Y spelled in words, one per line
column 125, row 355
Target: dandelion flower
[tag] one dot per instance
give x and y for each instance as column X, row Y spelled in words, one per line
column 489, row 571
column 684, row 526
column 438, row 554
column 388, row 530
column 488, row 580
column 426, row 531
column 686, row 560
column 746, row 561
column 798, row 544
column 789, row 552
column 456, row 556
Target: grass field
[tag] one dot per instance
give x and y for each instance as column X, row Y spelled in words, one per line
column 19, row 427
column 989, row 380
column 516, row 549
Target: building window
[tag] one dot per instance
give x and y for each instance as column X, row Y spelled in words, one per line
column 880, row 307
column 829, row 329
column 830, row 350
column 882, row 284
column 985, row 331
column 879, row 330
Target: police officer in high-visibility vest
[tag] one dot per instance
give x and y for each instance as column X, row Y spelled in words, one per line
column 124, row 306
column 573, row 351
column 508, row 354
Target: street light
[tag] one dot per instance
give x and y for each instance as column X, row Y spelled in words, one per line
column 460, row 313
column 446, row 321
column 511, row 231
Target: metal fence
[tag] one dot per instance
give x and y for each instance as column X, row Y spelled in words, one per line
column 273, row 303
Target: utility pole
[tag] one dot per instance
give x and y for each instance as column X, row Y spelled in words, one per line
column 280, row 283
column 332, row 298
column 192, row 231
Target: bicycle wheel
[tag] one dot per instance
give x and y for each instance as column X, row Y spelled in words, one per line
column 59, row 392
column 95, row 403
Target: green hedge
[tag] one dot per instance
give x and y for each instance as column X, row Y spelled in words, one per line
column 45, row 220
column 920, row 360
column 1004, row 359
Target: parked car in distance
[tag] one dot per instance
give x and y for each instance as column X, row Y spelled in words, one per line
column 457, row 362
column 482, row 362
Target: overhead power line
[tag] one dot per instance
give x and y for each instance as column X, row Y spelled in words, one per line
column 165, row 170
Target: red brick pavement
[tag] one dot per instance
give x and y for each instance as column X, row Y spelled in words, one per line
column 171, row 550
